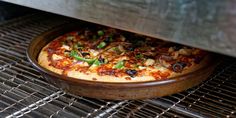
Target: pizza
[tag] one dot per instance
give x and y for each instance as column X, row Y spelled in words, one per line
column 110, row 55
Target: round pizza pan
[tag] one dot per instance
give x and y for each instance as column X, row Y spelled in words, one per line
column 109, row 90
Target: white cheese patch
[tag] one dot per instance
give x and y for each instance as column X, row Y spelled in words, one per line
column 141, row 67
column 149, row 62
column 66, row 47
column 185, row 51
column 93, row 52
column 56, row 57
column 161, row 68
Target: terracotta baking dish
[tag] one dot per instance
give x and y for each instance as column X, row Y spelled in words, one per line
column 114, row 91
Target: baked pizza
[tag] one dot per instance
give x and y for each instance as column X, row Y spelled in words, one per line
column 109, row 55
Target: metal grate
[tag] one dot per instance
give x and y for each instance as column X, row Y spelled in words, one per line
column 24, row 92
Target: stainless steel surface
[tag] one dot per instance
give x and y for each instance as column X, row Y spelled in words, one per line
column 24, row 93
column 207, row 24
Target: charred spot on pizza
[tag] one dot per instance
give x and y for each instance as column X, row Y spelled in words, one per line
column 127, row 78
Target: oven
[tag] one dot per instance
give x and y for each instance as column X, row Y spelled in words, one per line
column 25, row 93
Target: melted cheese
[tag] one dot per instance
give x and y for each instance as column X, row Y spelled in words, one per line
column 56, row 57
column 93, row 52
column 66, row 47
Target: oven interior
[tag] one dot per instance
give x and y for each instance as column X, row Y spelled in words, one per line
column 25, row 93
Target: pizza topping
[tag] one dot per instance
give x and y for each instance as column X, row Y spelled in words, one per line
column 116, row 49
column 119, row 65
column 175, row 55
column 138, row 56
column 78, row 46
column 93, row 52
column 141, row 67
column 104, row 70
column 131, row 48
column 163, row 62
column 149, row 62
column 67, row 52
column 69, row 38
column 171, row 49
column 149, row 53
column 66, row 47
column 101, row 45
column 100, row 33
column 166, row 58
column 56, row 57
column 121, row 48
column 177, row 47
column 107, row 40
column 85, row 54
column 158, row 75
column 185, row 52
column 97, row 63
column 131, row 73
column 101, row 60
column 179, row 66
column 75, row 55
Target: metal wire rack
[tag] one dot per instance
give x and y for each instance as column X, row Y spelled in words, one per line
column 25, row 93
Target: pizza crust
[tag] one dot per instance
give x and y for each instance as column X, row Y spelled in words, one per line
column 44, row 62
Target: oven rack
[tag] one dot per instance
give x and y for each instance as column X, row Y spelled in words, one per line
column 25, row 93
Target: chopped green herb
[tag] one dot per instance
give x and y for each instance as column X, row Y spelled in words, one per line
column 101, row 45
column 119, row 65
column 138, row 56
column 100, row 33
column 75, row 55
